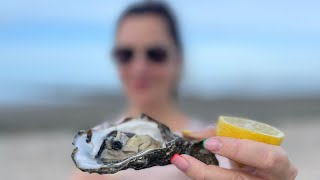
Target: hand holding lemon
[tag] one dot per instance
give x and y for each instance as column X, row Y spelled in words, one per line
column 251, row 143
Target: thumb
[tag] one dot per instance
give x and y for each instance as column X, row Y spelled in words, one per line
column 199, row 135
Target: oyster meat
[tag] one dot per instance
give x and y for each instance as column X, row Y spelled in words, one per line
column 136, row 143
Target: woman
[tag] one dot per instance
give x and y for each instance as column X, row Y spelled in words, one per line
column 149, row 58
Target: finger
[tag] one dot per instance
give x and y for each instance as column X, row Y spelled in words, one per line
column 195, row 169
column 199, row 135
column 248, row 152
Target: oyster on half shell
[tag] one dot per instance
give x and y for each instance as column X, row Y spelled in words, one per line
column 136, row 143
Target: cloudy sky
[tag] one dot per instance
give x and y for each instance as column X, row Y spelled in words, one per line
column 255, row 48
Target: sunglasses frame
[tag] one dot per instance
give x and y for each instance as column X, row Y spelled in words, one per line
column 146, row 52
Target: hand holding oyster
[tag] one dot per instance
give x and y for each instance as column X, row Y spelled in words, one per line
column 136, row 143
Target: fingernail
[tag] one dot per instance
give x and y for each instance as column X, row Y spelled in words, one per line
column 212, row 144
column 186, row 132
column 180, row 162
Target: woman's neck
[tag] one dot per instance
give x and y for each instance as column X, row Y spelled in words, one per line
column 165, row 112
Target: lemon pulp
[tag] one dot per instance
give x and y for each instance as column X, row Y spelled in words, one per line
column 241, row 128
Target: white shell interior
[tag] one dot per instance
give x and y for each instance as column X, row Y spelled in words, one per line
column 85, row 156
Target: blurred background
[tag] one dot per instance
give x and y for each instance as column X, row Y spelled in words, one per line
column 255, row 59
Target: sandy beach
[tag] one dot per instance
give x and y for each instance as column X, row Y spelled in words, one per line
column 36, row 142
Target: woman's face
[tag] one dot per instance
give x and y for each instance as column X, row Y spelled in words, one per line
column 147, row 79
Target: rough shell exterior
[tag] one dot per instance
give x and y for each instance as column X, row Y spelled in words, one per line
column 174, row 144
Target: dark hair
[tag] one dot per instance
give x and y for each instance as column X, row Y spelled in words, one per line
column 161, row 9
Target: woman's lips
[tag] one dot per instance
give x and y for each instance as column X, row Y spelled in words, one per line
column 140, row 85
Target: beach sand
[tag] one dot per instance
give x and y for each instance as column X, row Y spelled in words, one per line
column 36, row 142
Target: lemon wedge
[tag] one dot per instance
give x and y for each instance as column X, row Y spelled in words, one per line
column 241, row 128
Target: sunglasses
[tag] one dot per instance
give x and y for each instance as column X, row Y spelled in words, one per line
column 154, row 55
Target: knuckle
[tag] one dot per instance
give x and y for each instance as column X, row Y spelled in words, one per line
column 263, row 158
column 234, row 151
column 273, row 158
column 269, row 159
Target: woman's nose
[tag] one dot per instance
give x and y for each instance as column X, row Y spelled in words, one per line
column 139, row 64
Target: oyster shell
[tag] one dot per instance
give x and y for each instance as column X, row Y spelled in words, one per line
column 136, row 143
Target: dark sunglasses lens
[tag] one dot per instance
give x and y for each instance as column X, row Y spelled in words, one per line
column 157, row 55
column 123, row 55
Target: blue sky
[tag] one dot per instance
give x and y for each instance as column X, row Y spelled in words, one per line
column 253, row 48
